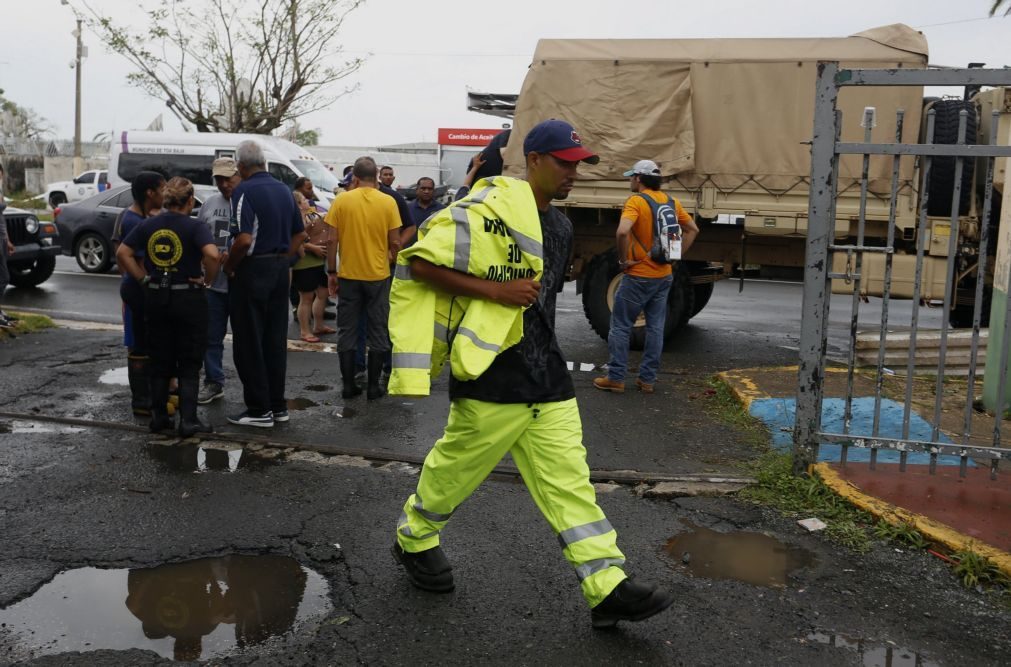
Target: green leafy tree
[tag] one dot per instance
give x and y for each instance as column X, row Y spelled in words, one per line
column 235, row 65
column 307, row 138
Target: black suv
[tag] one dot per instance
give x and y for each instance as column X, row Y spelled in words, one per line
column 36, row 245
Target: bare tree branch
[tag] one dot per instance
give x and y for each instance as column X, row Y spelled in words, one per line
column 223, row 67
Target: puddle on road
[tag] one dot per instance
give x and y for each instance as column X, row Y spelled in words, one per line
column 753, row 558
column 874, row 654
column 183, row 611
column 301, row 403
column 18, row 426
column 201, row 458
column 115, row 376
column 318, row 387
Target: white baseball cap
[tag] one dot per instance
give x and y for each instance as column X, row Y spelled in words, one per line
column 644, row 168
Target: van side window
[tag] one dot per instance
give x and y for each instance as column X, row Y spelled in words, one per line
column 282, row 173
column 197, row 168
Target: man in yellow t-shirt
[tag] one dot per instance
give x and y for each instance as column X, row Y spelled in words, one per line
column 365, row 232
column 646, row 284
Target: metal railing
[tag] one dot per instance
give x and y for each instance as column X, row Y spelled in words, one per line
column 826, row 152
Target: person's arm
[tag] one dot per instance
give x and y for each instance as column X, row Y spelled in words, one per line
column 623, row 236
column 295, row 245
column 332, row 240
column 211, row 263
column 689, row 230
column 239, row 250
column 476, row 163
column 126, row 259
column 520, row 292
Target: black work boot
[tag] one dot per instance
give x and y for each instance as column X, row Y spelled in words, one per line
column 140, row 384
column 351, row 388
column 630, row 601
column 189, row 422
column 160, row 420
column 428, row 570
column 375, row 390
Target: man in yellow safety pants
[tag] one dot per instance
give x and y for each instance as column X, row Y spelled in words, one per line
column 524, row 402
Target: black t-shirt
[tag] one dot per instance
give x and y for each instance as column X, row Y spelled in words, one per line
column 405, row 213
column 173, row 243
column 533, row 370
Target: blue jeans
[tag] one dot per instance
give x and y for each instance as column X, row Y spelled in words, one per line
column 217, row 325
column 638, row 295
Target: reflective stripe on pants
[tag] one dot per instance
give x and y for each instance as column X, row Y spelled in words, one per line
column 545, row 440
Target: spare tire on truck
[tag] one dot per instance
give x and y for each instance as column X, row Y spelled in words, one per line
column 601, row 283
column 942, row 169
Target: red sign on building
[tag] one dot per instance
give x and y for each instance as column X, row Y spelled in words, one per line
column 455, row 136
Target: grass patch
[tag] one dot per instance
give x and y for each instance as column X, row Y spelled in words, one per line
column 976, row 571
column 25, row 200
column 26, row 324
column 805, row 497
column 723, row 406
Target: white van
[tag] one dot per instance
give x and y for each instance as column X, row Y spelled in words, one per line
column 190, row 154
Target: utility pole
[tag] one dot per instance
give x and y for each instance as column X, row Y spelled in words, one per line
column 78, row 160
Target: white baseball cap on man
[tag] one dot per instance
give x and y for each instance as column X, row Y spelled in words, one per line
column 644, row 168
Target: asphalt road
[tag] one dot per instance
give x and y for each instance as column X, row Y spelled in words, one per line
column 97, row 498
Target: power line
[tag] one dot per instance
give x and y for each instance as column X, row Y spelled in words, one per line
column 981, row 18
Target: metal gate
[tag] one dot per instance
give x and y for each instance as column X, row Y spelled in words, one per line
column 826, row 152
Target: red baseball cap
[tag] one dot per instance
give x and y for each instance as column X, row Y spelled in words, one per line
column 559, row 139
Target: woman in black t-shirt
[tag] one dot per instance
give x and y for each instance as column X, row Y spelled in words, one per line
column 180, row 260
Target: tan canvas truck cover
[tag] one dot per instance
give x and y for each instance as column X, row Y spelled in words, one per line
column 731, row 111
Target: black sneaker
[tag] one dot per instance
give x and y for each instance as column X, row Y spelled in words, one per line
column 630, row 601
column 428, row 570
column 10, row 318
column 247, row 418
column 211, row 391
column 7, row 323
column 281, row 415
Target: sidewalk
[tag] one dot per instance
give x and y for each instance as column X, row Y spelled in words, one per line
column 961, row 513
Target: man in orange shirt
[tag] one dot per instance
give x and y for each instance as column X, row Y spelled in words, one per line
column 646, row 283
column 365, row 230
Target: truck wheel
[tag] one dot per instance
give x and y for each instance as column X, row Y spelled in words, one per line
column 32, row 273
column 680, row 302
column 92, row 253
column 57, row 199
column 703, row 293
column 942, row 169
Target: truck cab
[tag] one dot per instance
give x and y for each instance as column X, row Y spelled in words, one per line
column 81, row 187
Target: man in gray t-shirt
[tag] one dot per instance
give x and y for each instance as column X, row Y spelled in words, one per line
column 216, row 213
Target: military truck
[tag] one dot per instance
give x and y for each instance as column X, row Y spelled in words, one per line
column 729, row 121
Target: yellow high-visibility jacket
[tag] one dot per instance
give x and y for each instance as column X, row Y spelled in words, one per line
column 494, row 233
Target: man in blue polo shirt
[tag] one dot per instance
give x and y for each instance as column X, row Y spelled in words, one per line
column 266, row 229
column 421, row 207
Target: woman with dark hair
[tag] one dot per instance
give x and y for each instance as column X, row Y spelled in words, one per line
column 147, row 201
column 180, row 259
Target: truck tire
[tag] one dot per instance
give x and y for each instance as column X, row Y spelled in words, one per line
column 942, row 169
column 32, row 273
column 93, row 253
column 602, row 277
column 57, row 199
column 703, row 293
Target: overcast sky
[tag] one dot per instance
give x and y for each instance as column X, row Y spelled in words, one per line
column 425, row 55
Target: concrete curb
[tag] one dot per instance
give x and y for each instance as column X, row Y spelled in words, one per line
column 933, row 530
column 746, row 391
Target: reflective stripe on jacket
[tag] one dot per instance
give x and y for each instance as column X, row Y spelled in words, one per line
column 494, row 233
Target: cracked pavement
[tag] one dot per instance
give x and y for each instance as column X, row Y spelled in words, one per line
column 72, row 497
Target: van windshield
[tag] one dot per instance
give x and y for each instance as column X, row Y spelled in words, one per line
column 320, row 176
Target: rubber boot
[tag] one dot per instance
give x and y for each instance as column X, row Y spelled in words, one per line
column 140, row 385
column 375, row 389
column 347, row 362
column 160, row 420
column 189, row 422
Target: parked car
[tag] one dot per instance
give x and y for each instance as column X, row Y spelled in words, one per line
column 36, row 245
column 86, row 227
column 85, row 185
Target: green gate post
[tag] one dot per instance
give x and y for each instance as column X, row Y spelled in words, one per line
column 996, row 357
